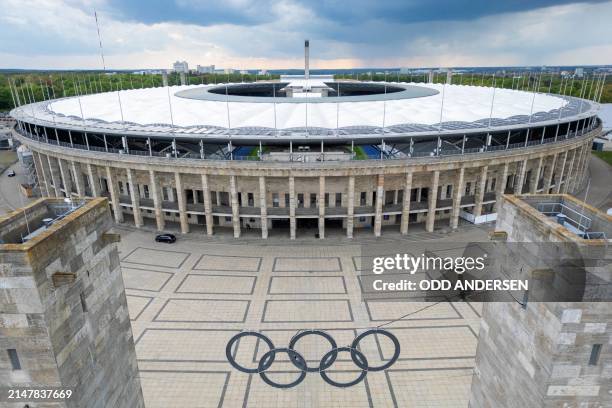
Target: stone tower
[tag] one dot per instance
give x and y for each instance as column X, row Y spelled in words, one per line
column 557, row 353
column 63, row 312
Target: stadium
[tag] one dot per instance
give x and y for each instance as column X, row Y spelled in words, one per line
column 308, row 154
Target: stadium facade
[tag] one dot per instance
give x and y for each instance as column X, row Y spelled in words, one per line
column 308, row 153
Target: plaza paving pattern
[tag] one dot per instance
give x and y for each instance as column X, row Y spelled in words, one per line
column 188, row 299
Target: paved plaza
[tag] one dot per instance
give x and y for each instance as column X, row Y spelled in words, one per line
column 188, row 299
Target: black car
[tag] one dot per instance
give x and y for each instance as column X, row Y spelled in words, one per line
column 167, row 238
column 11, row 173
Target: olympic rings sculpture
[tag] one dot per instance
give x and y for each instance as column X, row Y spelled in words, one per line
column 358, row 358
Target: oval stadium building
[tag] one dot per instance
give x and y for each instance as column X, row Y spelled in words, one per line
column 308, row 155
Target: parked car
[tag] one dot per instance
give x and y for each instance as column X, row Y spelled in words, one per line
column 11, row 173
column 166, row 238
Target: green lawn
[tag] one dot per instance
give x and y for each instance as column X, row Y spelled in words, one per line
column 605, row 156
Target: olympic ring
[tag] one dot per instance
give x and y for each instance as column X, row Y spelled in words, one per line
column 358, row 358
column 295, row 358
column 361, row 356
column 327, row 337
column 232, row 361
column 389, row 363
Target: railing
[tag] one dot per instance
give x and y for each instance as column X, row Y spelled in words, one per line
column 404, row 156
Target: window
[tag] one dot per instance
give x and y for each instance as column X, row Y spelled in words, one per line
column 362, row 199
column 275, row 201
column 338, row 199
column 228, row 219
column 146, row 191
column 164, row 194
column 15, row 363
column 120, row 187
column 468, row 187
column 286, row 200
column 595, row 352
column 300, row 199
column 250, row 199
column 213, row 197
column 493, row 184
column 327, row 199
column 313, row 200
column 83, row 303
column 386, row 217
column 362, row 219
column 449, row 191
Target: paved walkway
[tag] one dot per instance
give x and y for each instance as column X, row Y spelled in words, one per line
column 600, row 188
column 188, row 299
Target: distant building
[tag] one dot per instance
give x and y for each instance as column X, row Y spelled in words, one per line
column 244, row 72
column 405, row 70
column 205, row 69
column 229, row 71
column 579, row 72
column 263, row 72
column 180, row 66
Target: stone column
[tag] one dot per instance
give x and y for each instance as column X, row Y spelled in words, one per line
column 350, row 208
column 533, row 184
column 568, row 179
column 263, row 207
column 406, row 204
column 580, row 167
column 380, row 192
column 135, row 196
column 55, row 175
column 78, row 179
column 481, row 186
column 518, row 185
column 207, row 205
column 292, row 220
column 40, row 172
column 457, row 194
column 549, row 173
column 235, row 208
column 114, row 193
column 157, row 200
column 321, row 207
column 561, row 172
column 65, row 177
column 585, row 164
column 182, row 205
column 94, row 182
column 433, row 201
column 501, row 187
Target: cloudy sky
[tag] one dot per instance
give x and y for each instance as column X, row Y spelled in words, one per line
column 269, row 33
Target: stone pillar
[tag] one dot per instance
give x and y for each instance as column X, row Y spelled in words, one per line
column 518, row 185
column 157, row 200
column 207, row 205
column 577, row 179
column 457, row 194
column 406, row 204
column 63, row 167
column 587, row 159
column 321, row 207
column 501, row 187
column 350, row 208
column 263, row 207
column 533, row 185
column 561, row 172
column 481, row 187
column 114, row 193
column 549, row 173
column 94, row 182
column 235, row 208
column 292, row 220
column 135, row 196
column 433, row 201
column 568, row 177
column 55, row 176
column 182, row 205
column 380, row 192
column 78, row 179
column 40, row 172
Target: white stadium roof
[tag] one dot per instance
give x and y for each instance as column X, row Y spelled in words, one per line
column 162, row 106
